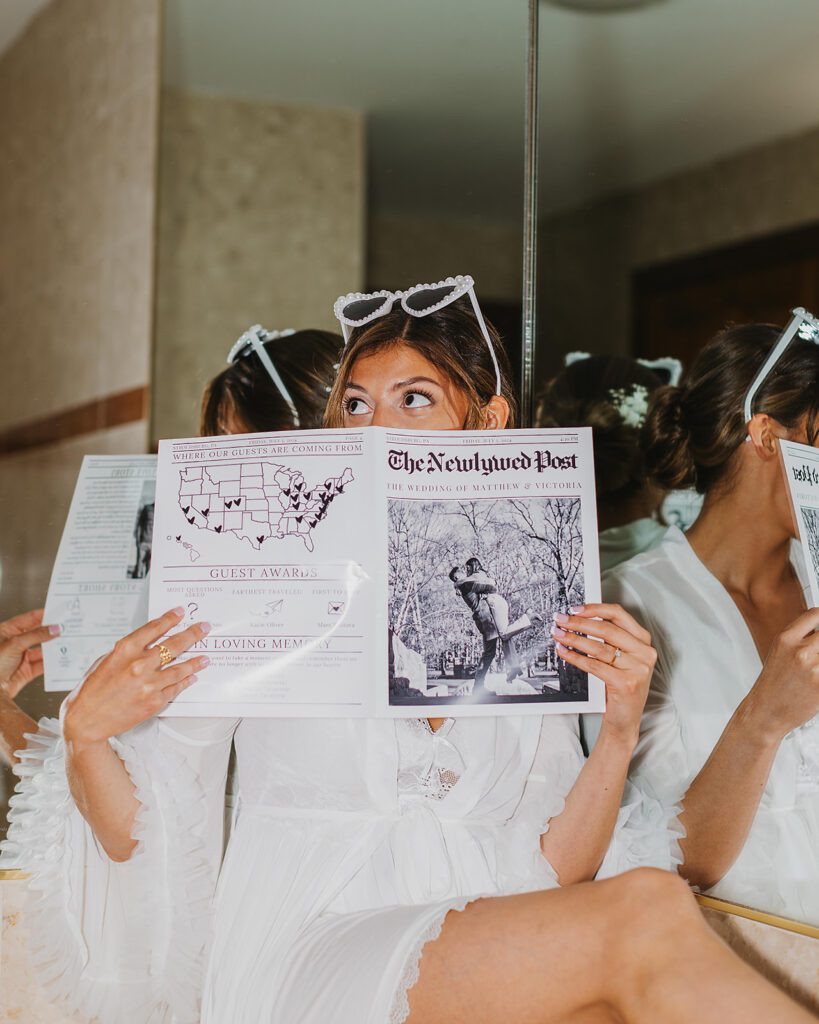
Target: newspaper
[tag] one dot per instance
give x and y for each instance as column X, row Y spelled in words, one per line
column 801, row 466
column 99, row 577
column 374, row 572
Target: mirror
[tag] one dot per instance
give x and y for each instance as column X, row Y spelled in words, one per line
column 285, row 154
column 286, row 182
column 677, row 195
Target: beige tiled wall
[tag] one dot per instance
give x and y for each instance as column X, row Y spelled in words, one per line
column 77, row 195
column 78, row 144
column 261, row 221
column 587, row 256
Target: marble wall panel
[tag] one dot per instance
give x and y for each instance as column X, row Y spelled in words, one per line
column 78, row 149
column 261, row 220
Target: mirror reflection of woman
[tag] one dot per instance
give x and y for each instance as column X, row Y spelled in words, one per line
column 730, row 721
column 361, row 845
column 610, row 394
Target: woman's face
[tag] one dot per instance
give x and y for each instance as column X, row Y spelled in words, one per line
column 397, row 387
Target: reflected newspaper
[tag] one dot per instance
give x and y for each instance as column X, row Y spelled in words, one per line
column 801, row 465
column 375, row 572
column 97, row 587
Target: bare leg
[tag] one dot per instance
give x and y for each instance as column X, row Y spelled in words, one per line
column 633, row 948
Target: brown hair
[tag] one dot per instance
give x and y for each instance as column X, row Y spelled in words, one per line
column 693, row 431
column 581, row 396
column 243, row 392
column 451, row 339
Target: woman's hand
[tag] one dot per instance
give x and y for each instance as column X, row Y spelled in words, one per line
column 786, row 694
column 590, row 639
column 21, row 656
column 129, row 685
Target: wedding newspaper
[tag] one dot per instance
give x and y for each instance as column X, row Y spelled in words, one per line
column 801, row 465
column 100, row 574
column 375, row 572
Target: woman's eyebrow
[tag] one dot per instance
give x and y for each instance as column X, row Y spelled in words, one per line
column 414, row 380
column 354, row 386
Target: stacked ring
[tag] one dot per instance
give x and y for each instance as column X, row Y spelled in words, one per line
column 165, row 656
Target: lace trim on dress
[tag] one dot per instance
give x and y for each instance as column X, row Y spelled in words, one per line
column 399, row 1011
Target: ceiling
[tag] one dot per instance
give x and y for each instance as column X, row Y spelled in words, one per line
column 626, row 98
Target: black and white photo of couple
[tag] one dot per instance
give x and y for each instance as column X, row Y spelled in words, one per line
column 474, row 586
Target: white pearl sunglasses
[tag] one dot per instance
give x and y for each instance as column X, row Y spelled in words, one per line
column 357, row 308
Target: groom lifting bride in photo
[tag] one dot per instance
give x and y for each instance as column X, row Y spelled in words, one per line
column 490, row 613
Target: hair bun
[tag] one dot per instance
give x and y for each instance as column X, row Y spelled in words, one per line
column 669, row 459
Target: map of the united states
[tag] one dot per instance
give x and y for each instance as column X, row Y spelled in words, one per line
column 256, row 501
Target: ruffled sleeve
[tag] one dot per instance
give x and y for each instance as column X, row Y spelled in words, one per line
column 649, row 831
column 124, row 943
column 557, row 763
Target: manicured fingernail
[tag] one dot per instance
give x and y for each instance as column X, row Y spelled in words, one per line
column 180, row 611
column 205, row 627
column 576, row 609
column 557, row 631
column 561, row 649
column 191, row 679
column 562, row 618
column 203, row 662
column 55, row 630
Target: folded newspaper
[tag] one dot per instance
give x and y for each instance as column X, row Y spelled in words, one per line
column 375, row 572
column 801, row 466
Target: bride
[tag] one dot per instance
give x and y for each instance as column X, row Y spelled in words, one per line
column 379, row 871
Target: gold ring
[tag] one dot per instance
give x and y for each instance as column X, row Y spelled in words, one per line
column 165, row 656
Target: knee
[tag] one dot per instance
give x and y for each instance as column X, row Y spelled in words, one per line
column 660, row 904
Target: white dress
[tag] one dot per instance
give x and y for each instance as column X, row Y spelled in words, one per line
column 352, row 842
column 707, row 663
column 619, row 543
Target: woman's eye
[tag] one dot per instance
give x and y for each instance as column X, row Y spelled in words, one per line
column 416, row 400
column 356, row 407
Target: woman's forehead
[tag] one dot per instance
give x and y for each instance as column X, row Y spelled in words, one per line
column 394, row 363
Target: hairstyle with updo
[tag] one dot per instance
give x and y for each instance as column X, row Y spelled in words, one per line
column 244, row 394
column 581, row 396
column 694, row 430
column 450, row 339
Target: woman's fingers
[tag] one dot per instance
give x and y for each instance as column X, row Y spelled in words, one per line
column 613, row 613
column 21, row 623
column 134, row 644
column 23, row 642
column 602, row 669
column 613, row 634
column 803, row 626
column 170, row 692
column 174, row 674
column 601, row 652
column 180, row 642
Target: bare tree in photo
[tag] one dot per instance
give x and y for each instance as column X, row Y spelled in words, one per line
column 810, row 517
column 556, row 527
